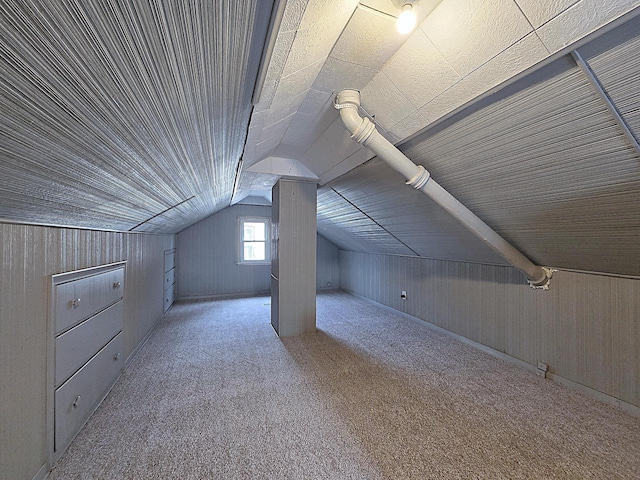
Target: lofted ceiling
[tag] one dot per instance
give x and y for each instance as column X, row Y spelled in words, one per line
column 460, row 50
column 139, row 116
column 124, row 115
column 551, row 162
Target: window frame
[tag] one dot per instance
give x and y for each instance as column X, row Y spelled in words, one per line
column 267, row 240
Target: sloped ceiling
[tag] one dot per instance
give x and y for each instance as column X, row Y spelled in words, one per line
column 124, row 115
column 137, row 116
column 544, row 161
column 460, row 50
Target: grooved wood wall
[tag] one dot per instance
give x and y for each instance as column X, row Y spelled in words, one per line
column 29, row 254
column 585, row 327
column 208, row 254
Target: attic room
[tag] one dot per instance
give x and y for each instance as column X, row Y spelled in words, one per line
column 319, row 239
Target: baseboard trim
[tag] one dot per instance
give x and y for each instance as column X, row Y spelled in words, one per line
column 224, row 296
column 42, row 473
column 143, row 342
column 585, row 390
column 231, row 296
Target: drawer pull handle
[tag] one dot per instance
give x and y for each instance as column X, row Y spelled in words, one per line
column 75, row 303
column 116, row 285
column 76, row 402
column 116, row 356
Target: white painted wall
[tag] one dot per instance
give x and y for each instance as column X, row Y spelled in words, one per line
column 28, row 256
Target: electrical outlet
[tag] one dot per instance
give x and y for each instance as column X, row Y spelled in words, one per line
column 403, row 295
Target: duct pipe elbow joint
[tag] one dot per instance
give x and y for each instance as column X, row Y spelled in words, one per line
column 420, row 179
column 543, row 282
column 348, row 102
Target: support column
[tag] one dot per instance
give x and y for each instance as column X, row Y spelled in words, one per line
column 293, row 257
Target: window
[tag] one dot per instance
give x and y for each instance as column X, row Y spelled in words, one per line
column 254, row 240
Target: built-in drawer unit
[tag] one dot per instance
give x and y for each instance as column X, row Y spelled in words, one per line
column 169, row 278
column 76, row 346
column 170, row 289
column 79, row 299
column 168, row 297
column 76, row 399
column 86, row 353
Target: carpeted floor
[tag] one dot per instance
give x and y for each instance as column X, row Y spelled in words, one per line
column 215, row 394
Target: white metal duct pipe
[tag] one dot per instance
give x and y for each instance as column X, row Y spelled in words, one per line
column 364, row 131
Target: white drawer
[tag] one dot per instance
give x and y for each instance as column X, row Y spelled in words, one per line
column 168, row 297
column 77, row 398
column 80, row 299
column 76, row 346
column 169, row 261
column 169, row 278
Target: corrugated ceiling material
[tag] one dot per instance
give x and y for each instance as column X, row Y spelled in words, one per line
column 545, row 164
column 423, row 226
column 615, row 59
column 115, row 111
column 350, row 229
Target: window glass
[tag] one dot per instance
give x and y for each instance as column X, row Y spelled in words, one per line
column 253, row 240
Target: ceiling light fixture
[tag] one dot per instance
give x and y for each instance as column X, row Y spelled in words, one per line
column 407, row 19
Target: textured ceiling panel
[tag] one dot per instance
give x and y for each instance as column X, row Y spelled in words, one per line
column 409, row 215
column 114, row 111
column 583, row 18
column 385, row 102
column 540, row 12
column 615, row 59
column 517, row 58
column 350, row 229
column 335, row 144
column 369, row 40
column 468, row 33
column 338, row 75
column 544, row 163
column 419, row 70
column 461, row 50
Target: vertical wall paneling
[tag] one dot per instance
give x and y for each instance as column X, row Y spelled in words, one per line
column 294, row 262
column 585, row 327
column 29, row 255
column 207, row 256
column 327, row 264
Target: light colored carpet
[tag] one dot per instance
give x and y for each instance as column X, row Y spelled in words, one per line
column 215, row 394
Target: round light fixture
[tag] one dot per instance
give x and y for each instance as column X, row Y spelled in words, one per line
column 407, row 19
